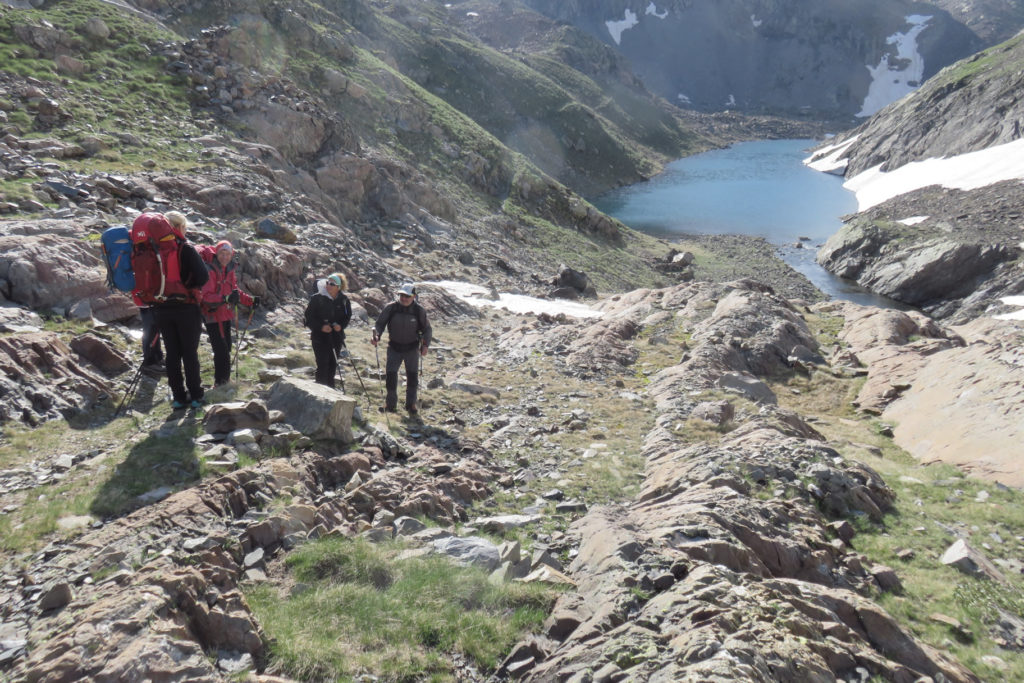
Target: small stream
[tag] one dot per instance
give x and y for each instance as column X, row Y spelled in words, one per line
column 759, row 188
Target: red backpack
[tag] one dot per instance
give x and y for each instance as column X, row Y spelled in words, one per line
column 156, row 260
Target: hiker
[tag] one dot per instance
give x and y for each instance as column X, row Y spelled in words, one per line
column 327, row 315
column 178, row 221
column 219, row 305
column 409, row 336
column 173, row 297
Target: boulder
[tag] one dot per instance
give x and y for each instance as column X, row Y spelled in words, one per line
column 317, row 411
column 54, row 272
column 748, row 386
column 223, row 418
column 100, row 353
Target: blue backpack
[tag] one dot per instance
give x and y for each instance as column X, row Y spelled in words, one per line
column 117, row 254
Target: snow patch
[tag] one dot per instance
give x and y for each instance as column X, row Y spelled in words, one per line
column 731, row 102
column 913, row 220
column 516, row 303
column 652, row 10
column 964, row 172
column 685, row 99
column 755, row 21
column 827, row 159
column 891, row 80
column 615, row 28
column 1012, row 301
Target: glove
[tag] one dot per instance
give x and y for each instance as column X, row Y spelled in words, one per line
column 232, row 298
column 255, row 302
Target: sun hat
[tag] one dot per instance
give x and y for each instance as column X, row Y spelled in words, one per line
column 408, row 289
column 336, row 279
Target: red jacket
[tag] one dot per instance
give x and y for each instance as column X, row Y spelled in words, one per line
column 221, row 283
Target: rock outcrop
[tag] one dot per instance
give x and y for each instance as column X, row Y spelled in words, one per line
column 692, row 580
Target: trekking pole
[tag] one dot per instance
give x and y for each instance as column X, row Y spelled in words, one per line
column 248, row 324
column 376, row 353
column 337, row 369
column 358, row 377
column 133, row 385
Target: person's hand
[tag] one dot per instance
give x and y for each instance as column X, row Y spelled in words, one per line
column 255, row 302
column 373, row 339
column 325, row 328
column 232, row 298
column 423, row 350
column 337, row 327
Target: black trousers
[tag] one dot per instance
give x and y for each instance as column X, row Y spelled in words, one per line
column 326, row 361
column 181, row 326
column 151, row 349
column 220, row 342
column 411, row 359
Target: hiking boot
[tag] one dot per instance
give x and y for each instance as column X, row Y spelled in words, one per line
column 178, row 405
column 154, row 369
column 198, row 403
column 387, row 409
column 412, row 409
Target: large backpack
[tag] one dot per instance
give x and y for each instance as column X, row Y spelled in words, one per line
column 116, row 243
column 156, row 260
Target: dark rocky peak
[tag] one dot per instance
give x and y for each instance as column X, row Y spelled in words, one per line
column 968, row 106
column 819, row 58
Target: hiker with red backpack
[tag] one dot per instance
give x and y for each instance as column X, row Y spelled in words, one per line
column 327, row 315
column 169, row 274
column 220, row 298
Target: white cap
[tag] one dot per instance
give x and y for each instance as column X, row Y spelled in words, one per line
column 407, row 288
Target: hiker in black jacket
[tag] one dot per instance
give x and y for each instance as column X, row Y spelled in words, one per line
column 409, row 336
column 327, row 316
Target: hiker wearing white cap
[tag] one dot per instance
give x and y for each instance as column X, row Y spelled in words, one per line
column 327, row 316
column 409, row 336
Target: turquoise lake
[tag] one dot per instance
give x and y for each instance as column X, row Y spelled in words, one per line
column 759, row 188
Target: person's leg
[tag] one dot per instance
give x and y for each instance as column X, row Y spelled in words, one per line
column 221, row 352
column 394, row 362
column 191, row 333
column 151, row 351
column 412, row 368
column 323, row 351
column 166, row 322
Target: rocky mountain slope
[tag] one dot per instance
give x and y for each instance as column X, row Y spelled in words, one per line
column 708, row 530
column 818, row 58
column 962, row 252
column 706, row 471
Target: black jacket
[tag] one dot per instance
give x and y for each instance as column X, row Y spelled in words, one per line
column 192, row 267
column 323, row 310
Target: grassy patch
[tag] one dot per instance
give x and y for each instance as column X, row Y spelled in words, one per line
column 361, row 610
column 935, row 504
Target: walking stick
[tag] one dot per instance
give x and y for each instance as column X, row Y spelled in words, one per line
column 129, row 392
column 358, row 377
column 133, row 385
column 337, row 369
column 248, row 324
column 376, row 353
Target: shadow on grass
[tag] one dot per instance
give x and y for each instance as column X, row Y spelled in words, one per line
column 153, row 468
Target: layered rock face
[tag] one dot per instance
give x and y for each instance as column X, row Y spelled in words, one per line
column 807, row 57
column 727, row 566
column 951, row 252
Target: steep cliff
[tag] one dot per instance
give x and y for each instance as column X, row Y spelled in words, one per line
column 953, row 250
column 829, row 58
